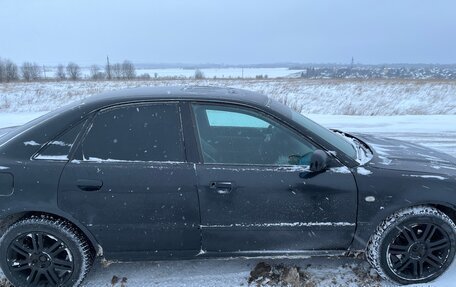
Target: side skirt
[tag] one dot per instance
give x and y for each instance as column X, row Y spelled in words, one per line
column 279, row 254
column 195, row 255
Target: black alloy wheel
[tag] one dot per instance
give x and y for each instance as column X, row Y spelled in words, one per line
column 413, row 245
column 38, row 258
column 41, row 251
column 419, row 251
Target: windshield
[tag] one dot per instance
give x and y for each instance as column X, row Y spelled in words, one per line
column 329, row 136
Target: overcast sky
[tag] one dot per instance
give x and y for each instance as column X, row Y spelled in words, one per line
column 228, row 31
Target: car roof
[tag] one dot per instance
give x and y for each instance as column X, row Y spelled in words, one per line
column 180, row 93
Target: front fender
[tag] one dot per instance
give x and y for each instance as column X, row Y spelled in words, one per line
column 383, row 192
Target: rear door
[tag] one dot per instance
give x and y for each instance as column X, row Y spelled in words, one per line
column 130, row 184
column 256, row 192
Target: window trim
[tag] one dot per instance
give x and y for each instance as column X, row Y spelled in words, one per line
column 254, row 110
column 78, row 153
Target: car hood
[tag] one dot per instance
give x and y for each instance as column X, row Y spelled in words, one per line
column 405, row 156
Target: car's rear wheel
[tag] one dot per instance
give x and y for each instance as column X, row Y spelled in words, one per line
column 414, row 245
column 44, row 252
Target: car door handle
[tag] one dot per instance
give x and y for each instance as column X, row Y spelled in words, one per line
column 310, row 174
column 89, row 184
column 221, row 187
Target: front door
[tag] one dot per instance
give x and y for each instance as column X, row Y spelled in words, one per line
column 256, row 192
column 131, row 185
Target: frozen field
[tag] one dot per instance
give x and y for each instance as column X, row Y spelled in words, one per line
column 334, row 97
column 436, row 131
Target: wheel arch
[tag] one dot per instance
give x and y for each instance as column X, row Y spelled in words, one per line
column 363, row 234
column 12, row 218
column 447, row 209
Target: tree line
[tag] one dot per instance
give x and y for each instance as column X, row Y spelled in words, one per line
column 28, row 71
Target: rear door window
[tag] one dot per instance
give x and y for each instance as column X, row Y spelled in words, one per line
column 149, row 132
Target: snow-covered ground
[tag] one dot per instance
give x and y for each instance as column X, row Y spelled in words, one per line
column 318, row 272
column 333, row 97
column 436, row 131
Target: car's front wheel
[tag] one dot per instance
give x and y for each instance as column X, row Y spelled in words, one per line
column 44, row 252
column 414, row 245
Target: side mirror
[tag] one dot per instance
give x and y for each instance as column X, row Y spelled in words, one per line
column 319, row 161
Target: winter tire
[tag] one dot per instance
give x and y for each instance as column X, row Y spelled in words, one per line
column 44, row 252
column 414, row 245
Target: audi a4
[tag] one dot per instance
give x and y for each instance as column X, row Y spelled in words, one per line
column 204, row 172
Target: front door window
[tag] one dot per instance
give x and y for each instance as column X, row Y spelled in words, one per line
column 231, row 135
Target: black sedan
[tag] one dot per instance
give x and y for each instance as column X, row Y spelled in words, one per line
column 202, row 172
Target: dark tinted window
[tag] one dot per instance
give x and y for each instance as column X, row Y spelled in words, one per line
column 241, row 136
column 136, row 133
column 59, row 148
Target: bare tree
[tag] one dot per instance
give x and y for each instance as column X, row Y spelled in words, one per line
column 199, row 74
column 26, row 71
column 30, row 71
column 145, row 76
column 95, row 73
column 108, row 69
column 60, row 73
column 116, row 71
column 128, row 70
column 36, row 72
column 2, row 71
column 73, row 71
column 11, row 70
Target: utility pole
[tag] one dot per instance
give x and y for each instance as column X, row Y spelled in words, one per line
column 108, row 69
